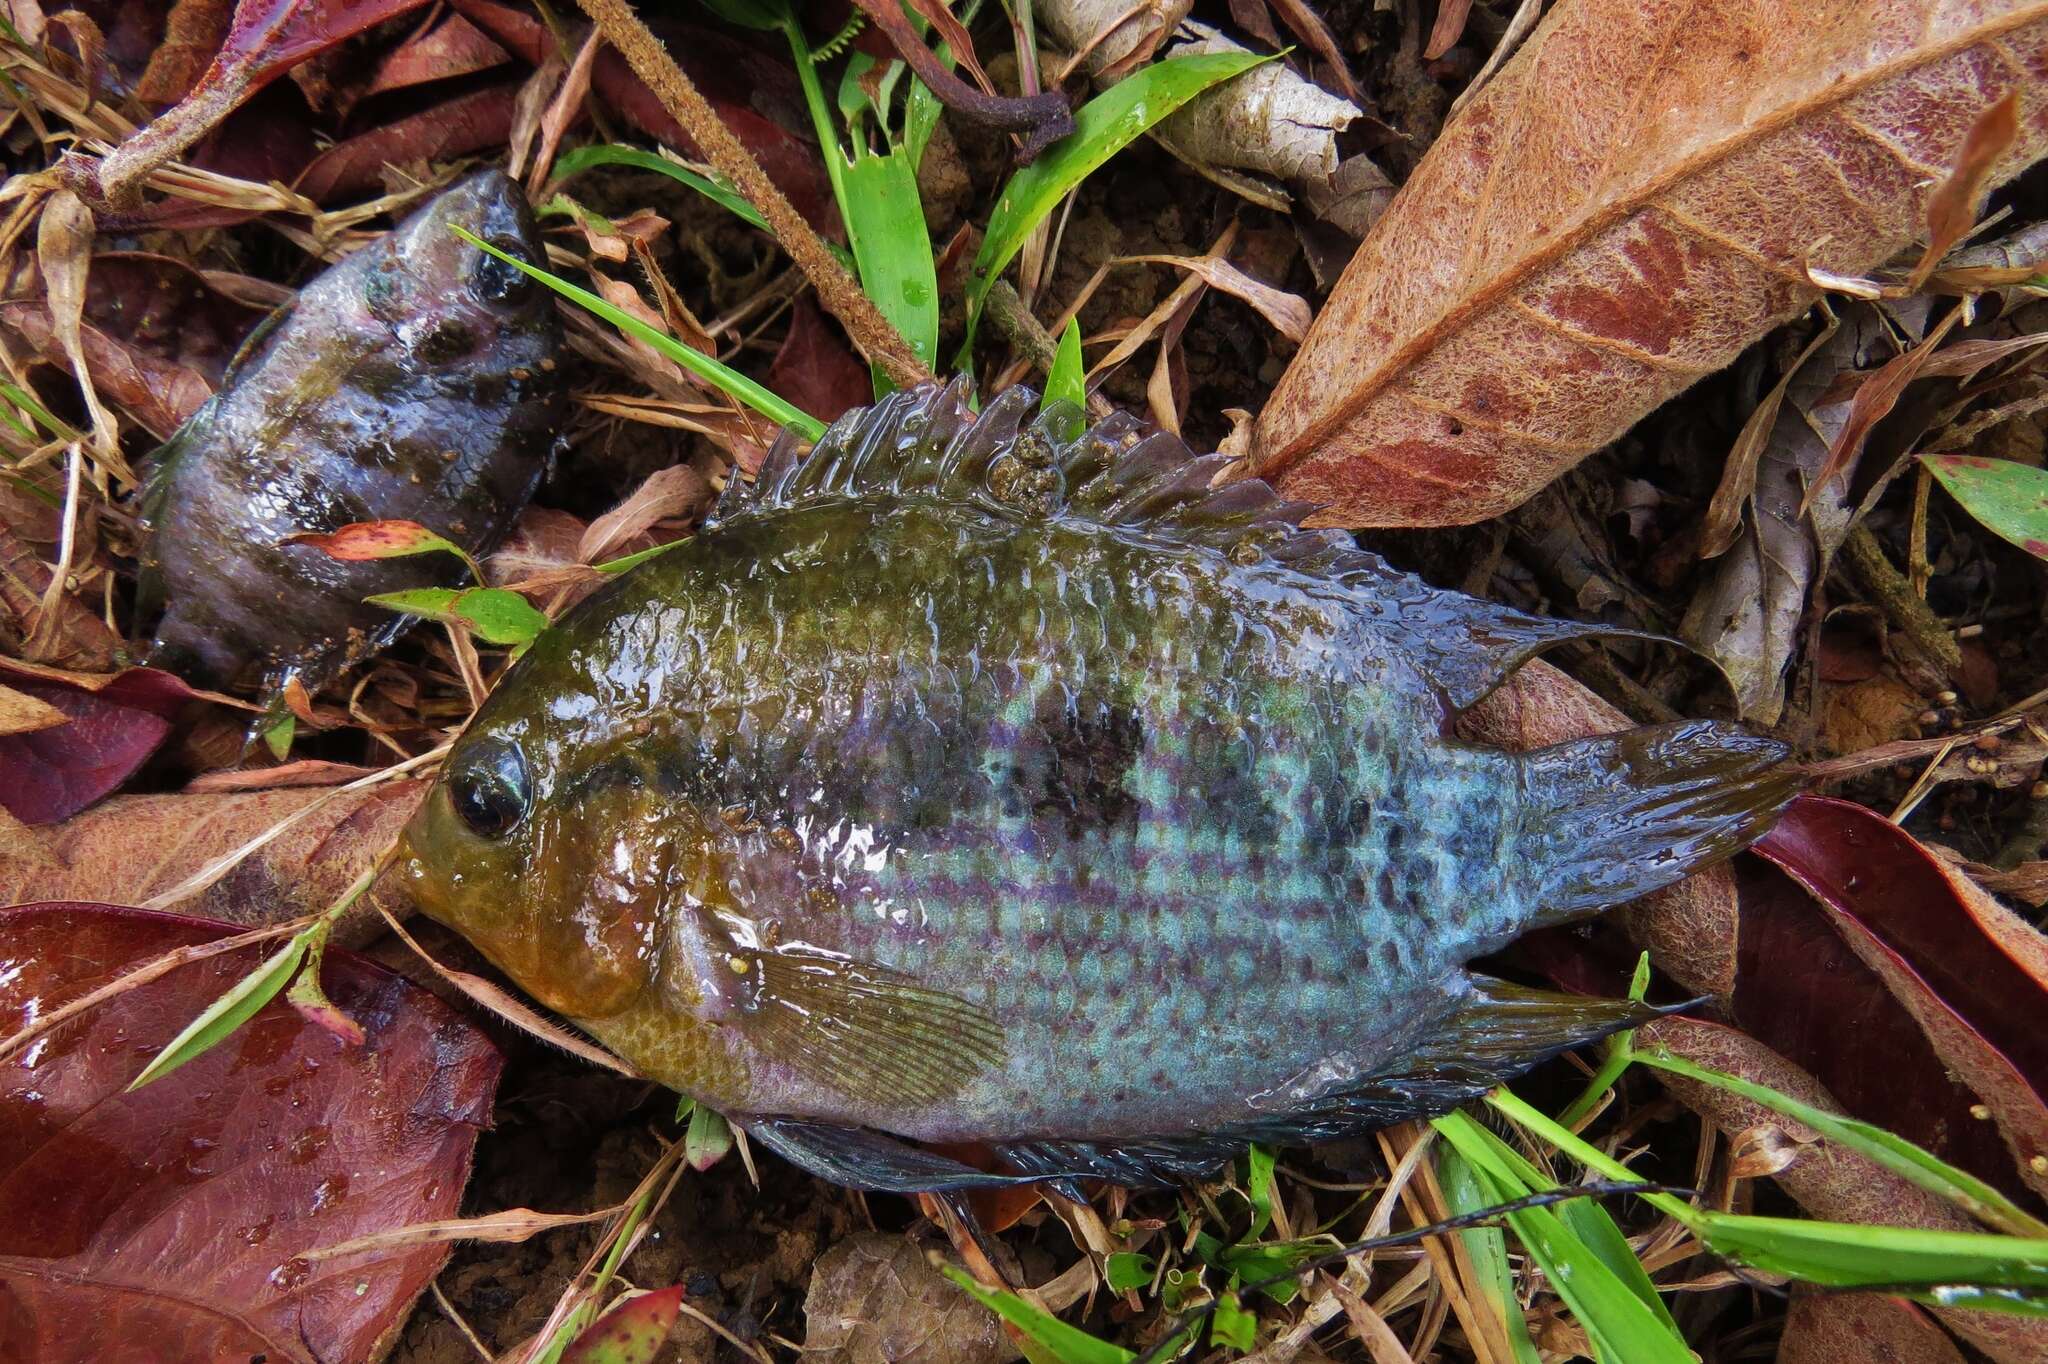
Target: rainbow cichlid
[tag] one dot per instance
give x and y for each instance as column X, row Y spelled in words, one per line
column 416, row 380
column 963, row 782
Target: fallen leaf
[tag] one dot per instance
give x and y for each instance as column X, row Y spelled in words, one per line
column 632, row 1331
column 158, row 394
column 1864, row 714
column 1862, row 1328
column 110, row 730
column 1689, row 928
column 467, row 123
column 875, row 1296
column 265, row 39
column 76, row 638
column 364, row 541
column 664, row 495
column 177, row 1213
column 815, row 368
column 1952, row 208
column 1631, row 201
column 453, row 47
column 1824, row 1179
column 21, row 713
column 1289, row 313
column 139, row 847
column 1973, row 975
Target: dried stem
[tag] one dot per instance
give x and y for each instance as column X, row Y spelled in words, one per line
column 1022, row 330
column 837, row 290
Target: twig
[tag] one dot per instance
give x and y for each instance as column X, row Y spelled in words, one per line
column 1022, row 330
column 837, row 290
column 1930, row 637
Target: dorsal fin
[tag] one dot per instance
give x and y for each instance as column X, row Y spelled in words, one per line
column 1118, row 472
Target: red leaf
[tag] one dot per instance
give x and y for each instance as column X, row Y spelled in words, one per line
column 631, row 1333
column 815, row 368
column 1913, row 996
column 51, row 774
column 482, row 118
column 453, row 47
column 175, row 1217
column 266, row 39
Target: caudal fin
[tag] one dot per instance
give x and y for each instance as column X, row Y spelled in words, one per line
column 1620, row 815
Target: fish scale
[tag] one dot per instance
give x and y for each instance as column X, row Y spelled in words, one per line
column 968, row 782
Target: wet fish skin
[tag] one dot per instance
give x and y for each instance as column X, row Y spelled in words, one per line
column 965, row 785
column 417, row 380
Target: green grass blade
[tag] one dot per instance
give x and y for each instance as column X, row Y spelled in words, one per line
column 1067, row 1344
column 2010, row 498
column 1894, row 1153
column 610, row 154
column 1622, row 1327
column 1851, row 1255
column 1103, row 127
column 235, row 1007
column 1066, row 384
column 893, row 248
column 728, row 380
column 1487, row 1248
column 26, row 401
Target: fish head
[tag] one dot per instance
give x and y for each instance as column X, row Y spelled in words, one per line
column 449, row 302
column 561, row 889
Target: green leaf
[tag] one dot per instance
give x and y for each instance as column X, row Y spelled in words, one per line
column 1103, row 127
column 1066, row 384
column 492, row 614
column 1487, row 1248
column 2011, row 499
column 1232, row 1325
column 1067, row 1344
column 1893, row 1152
column 611, row 154
column 1259, row 1164
column 1127, row 1269
column 760, row 14
column 707, row 1140
column 237, row 1006
column 728, row 380
column 278, row 735
column 893, row 247
column 1848, row 1255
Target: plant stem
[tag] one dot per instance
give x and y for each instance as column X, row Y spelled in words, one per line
column 836, row 289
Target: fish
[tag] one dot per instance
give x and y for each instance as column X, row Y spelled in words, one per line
column 418, row 380
column 978, row 779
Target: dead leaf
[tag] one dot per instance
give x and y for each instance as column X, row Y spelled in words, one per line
column 453, row 47
column 874, row 1297
column 137, row 847
column 1862, row 1328
column 1631, row 201
column 1827, row 1181
column 266, row 39
column 110, row 730
column 1952, row 208
column 1690, row 928
column 1972, row 974
column 665, row 494
column 1289, row 313
column 815, row 368
column 21, row 713
column 186, row 1205
column 467, row 123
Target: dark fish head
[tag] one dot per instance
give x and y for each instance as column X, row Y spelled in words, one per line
column 447, row 300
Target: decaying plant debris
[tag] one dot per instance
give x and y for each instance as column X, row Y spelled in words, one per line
column 1734, row 339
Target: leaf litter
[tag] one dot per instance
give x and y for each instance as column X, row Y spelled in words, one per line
column 651, row 441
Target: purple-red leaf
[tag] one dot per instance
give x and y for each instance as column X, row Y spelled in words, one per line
column 178, row 1216
column 113, row 724
column 266, row 39
column 815, row 368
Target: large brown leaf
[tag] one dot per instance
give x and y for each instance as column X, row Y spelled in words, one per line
column 172, row 1222
column 1635, row 198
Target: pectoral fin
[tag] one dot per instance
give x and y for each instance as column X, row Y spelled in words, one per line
column 860, row 1158
column 865, row 1030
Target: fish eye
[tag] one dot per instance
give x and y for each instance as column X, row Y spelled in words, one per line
column 501, row 282
column 491, row 790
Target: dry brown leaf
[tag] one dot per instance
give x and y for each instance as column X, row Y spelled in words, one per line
column 131, row 848
column 1289, row 313
column 1689, row 928
column 1828, row 1181
column 875, row 1296
column 70, row 636
column 64, row 254
column 666, row 493
column 21, row 713
column 1634, row 199
column 1861, row 1328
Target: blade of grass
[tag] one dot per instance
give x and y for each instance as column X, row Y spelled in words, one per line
column 1487, row 1247
column 1103, row 127
column 893, row 248
column 1066, row 383
column 1894, row 1153
column 728, row 380
column 611, row 154
column 1067, row 1344
column 236, row 1006
column 1622, row 1327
